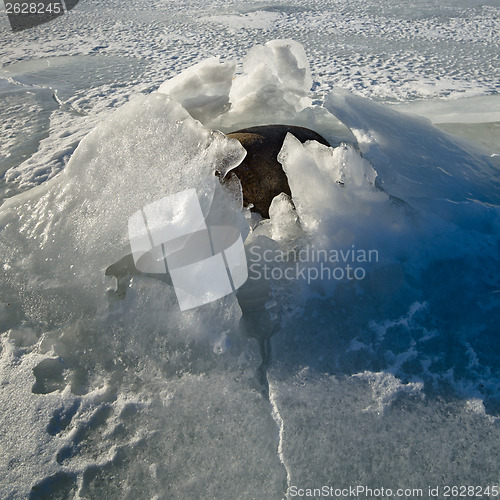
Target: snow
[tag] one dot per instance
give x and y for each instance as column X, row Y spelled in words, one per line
column 109, row 390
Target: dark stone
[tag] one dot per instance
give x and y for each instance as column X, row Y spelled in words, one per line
column 261, row 175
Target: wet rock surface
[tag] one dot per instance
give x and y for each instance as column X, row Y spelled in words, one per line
column 261, row 175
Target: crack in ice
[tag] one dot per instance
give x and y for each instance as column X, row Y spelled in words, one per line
column 281, row 425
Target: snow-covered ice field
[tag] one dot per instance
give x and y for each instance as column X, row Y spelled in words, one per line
column 108, row 390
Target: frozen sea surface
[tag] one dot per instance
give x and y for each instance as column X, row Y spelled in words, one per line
column 109, row 391
column 383, row 50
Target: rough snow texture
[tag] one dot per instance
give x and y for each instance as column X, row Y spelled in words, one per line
column 109, row 391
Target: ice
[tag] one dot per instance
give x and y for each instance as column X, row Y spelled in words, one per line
column 428, row 203
column 99, row 191
column 66, row 75
column 329, row 183
column 400, row 449
column 57, row 241
column 63, row 235
column 20, row 139
column 476, row 119
column 273, row 87
column 382, row 381
column 275, row 80
column 284, row 220
column 386, row 388
column 280, row 63
column 203, row 89
column 338, row 201
column 49, row 103
column 481, row 109
column 413, row 159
